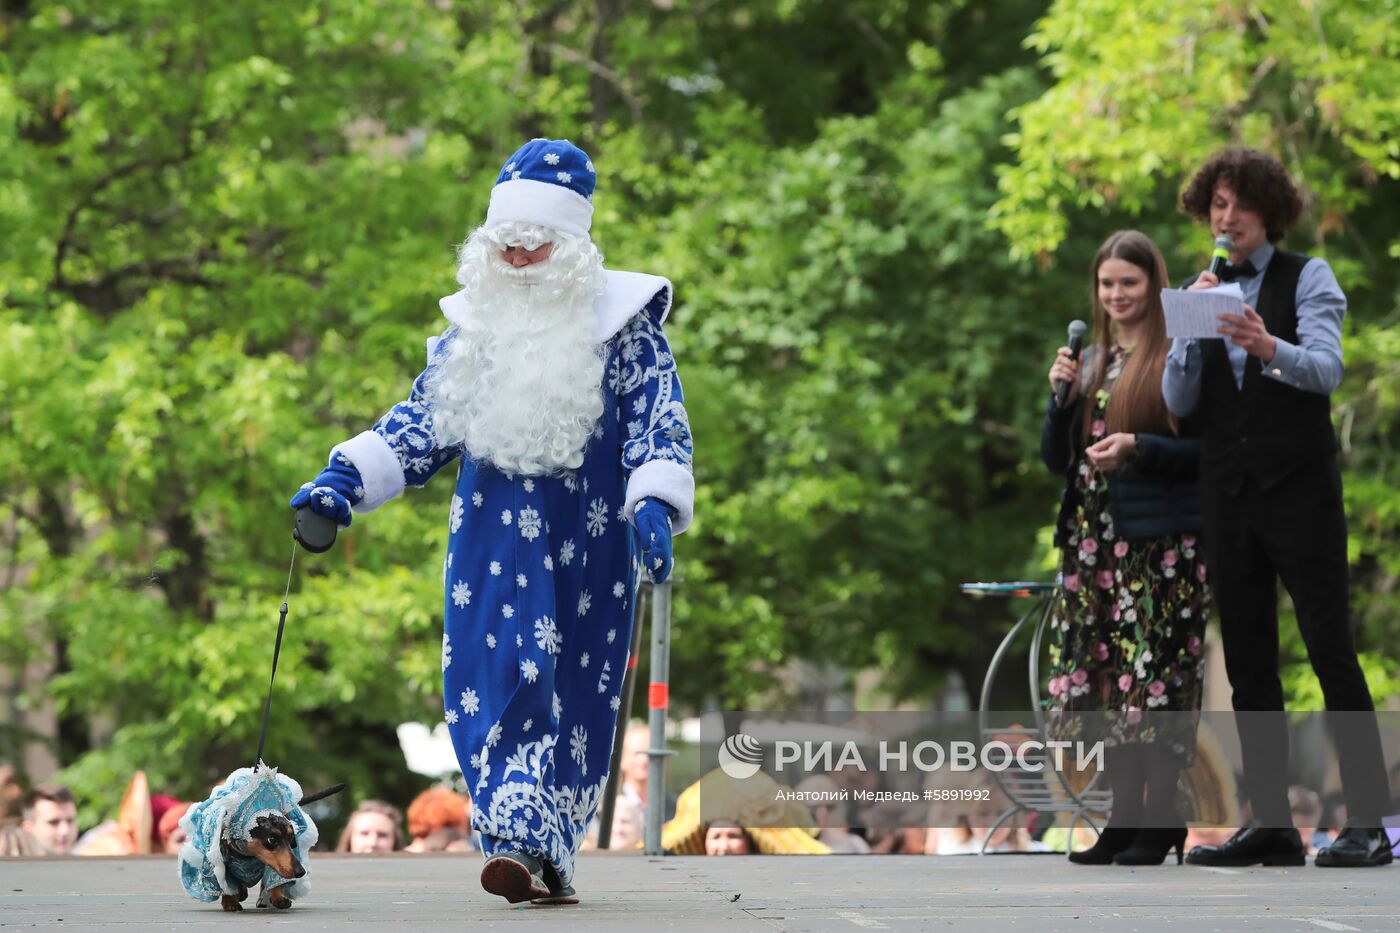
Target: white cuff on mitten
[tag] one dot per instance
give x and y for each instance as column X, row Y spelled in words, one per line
column 379, row 468
column 668, row 481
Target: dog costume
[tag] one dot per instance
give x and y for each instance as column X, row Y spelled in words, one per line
column 229, row 813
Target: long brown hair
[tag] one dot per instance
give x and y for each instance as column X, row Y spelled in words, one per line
column 1136, row 403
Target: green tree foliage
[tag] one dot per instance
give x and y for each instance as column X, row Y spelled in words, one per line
column 228, row 226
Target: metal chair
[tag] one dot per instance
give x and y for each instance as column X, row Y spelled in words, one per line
column 1046, row 790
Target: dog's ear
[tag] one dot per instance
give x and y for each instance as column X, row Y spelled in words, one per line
column 322, row 794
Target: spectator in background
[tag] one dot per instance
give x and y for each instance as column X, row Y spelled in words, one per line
column 14, row 842
column 169, row 833
column 446, row 839
column 965, row 826
column 857, row 780
column 634, row 763
column 1393, row 823
column 726, row 837
column 374, row 827
column 50, row 818
column 635, row 766
column 437, row 808
column 626, row 826
column 1305, row 806
column 772, row 822
column 896, row 828
column 134, row 829
column 11, row 795
column 830, row 816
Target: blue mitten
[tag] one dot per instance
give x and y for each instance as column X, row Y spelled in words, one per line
column 333, row 492
column 653, row 519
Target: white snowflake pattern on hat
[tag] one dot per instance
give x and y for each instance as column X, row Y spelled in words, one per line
column 541, row 184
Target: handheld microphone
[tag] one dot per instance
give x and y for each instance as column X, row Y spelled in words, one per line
column 1223, row 247
column 1076, row 340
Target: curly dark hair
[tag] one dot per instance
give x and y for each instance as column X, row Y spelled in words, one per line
column 1259, row 181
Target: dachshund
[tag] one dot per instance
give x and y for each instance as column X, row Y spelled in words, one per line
column 252, row 830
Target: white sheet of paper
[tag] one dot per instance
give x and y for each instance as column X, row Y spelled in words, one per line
column 1193, row 314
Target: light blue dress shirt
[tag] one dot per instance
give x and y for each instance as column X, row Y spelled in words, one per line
column 1314, row 364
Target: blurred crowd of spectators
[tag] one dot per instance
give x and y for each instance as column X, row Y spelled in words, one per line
column 43, row 820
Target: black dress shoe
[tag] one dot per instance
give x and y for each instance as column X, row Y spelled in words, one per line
column 1111, row 841
column 1150, row 846
column 1356, row 847
column 1253, row 845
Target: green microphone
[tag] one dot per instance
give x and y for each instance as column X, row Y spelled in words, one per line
column 1218, row 259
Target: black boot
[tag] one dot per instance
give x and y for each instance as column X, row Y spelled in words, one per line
column 1124, row 767
column 1162, row 825
column 1113, row 840
column 1151, row 846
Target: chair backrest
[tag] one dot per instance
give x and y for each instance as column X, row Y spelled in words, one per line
column 1032, row 783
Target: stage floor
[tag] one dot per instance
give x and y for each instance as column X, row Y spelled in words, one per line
column 760, row 893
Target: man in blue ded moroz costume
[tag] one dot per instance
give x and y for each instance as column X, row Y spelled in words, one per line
column 555, row 391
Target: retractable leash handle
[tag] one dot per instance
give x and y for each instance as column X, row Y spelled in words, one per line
column 314, row 532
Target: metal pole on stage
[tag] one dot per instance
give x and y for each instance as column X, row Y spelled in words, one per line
column 629, row 686
column 658, row 700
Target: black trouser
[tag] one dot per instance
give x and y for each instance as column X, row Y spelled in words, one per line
column 1294, row 531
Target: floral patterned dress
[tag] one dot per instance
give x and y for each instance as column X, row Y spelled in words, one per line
column 1130, row 617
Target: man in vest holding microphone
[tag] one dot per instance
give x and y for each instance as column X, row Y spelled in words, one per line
column 1272, row 497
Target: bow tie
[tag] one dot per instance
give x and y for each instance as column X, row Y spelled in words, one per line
column 1244, row 270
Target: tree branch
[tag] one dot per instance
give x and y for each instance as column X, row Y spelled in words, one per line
column 633, row 102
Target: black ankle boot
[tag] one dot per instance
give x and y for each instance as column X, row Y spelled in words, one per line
column 1151, row 846
column 1112, row 840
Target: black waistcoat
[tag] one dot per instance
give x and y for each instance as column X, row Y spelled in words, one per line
column 1266, row 429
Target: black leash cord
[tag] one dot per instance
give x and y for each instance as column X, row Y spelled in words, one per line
column 276, row 650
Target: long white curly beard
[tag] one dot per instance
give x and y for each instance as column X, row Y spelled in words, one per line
column 520, row 386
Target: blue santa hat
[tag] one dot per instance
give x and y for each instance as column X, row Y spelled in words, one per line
column 547, row 182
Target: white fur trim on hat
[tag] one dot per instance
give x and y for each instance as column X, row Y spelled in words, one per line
column 539, row 202
column 379, row 468
column 668, row 481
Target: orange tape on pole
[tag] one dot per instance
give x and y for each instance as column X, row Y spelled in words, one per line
column 658, row 695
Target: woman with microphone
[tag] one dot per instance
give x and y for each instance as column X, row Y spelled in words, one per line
column 1131, row 614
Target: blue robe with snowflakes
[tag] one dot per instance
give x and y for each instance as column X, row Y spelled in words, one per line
column 540, row 577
